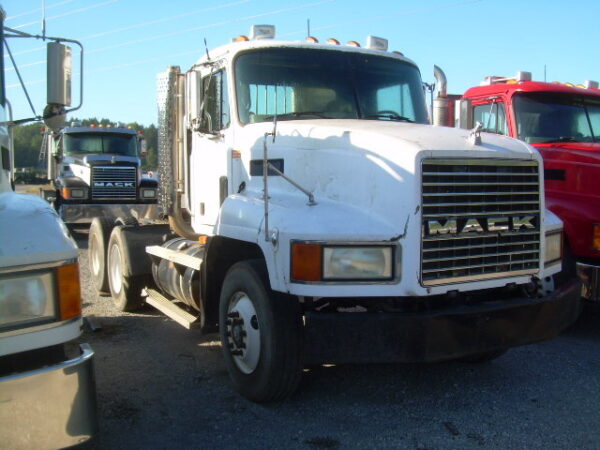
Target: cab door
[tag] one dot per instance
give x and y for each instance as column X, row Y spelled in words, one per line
column 211, row 143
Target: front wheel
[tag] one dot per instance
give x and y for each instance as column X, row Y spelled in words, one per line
column 261, row 334
column 125, row 289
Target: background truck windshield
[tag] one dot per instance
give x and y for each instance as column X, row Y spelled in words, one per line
column 118, row 144
column 544, row 118
column 309, row 84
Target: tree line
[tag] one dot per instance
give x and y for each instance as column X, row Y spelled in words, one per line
column 28, row 142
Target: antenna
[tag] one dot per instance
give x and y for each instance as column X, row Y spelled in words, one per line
column 44, row 20
column 544, row 73
column 307, row 27
column 206, row 48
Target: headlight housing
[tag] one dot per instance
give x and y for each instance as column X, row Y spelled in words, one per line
column 27, row 299
column 38, row 297
column 554, row 244
column 74, row 193
column 313, row 262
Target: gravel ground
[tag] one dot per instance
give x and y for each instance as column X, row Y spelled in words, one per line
column 162, row 386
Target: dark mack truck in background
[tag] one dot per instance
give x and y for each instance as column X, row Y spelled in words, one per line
column 96, row 172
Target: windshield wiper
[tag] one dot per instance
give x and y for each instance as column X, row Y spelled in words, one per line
column 389, row 116
column 296, row 114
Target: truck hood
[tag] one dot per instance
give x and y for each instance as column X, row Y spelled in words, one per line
column 102, row 159
column 572, row 152
column 395, row 140
column 368, row 170
column 31, row 232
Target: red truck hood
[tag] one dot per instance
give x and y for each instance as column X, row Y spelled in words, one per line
column 571, row 152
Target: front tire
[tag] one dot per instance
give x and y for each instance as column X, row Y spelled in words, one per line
column 98, row 237
column 261, row 334
column 125, row 289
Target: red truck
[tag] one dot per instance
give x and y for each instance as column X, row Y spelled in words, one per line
column 562, row 121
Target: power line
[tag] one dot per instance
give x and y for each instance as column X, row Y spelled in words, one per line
column 165, row 19
column 76, row 11
column 386, row 16
column 213, row 25
column 34, row 11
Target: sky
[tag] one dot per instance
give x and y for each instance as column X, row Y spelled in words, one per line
column 128, row 42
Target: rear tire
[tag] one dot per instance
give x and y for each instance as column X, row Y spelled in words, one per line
column 125, row 289
column 261, row 334
column 98, row 237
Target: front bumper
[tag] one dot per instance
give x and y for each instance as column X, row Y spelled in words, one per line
column 590, row 279
column 439, row 335
column 84, row 213
column 51, row 407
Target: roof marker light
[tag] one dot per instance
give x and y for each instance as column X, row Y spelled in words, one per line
column 353, row 44
column 377, row 43
column 240, row 38
column 312, row 39
column 262, row 32
column 333, row 41
column 396, row 52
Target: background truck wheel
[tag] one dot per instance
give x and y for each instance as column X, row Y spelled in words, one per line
column 98, row 237
column 261, row 334
column 125, row 289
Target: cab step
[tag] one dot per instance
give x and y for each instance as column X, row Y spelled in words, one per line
column 171, row 310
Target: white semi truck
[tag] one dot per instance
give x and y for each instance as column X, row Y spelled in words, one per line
column 314, row 216
column 47, row 389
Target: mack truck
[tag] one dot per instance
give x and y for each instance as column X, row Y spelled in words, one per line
column 562, row 121
column 96, row 171
column 313, row 215
column 47, row 389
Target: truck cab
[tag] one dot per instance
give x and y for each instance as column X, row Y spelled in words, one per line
column 315, row 216
column 562, row 121
column 96, row 171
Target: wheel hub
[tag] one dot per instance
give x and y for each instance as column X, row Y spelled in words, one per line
column 243, row 333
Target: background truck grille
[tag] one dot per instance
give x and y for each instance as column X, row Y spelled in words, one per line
column 114, row 183
column 481, row 220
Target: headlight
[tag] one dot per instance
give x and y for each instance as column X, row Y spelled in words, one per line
column 32, row 298
column 553, row 248
column 27, row 299
column 596, row 236
column 316, row 262
column 74, row 193
column 356, row 263
column 148, row 193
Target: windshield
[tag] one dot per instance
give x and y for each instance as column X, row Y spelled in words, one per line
column 308, row 84
column 545, row 118
column 86, row 143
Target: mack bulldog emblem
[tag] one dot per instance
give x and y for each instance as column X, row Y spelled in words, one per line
column 113, row 184
column 480, row 225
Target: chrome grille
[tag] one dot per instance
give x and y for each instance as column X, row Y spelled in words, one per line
column 480, row 220
column 114, row 183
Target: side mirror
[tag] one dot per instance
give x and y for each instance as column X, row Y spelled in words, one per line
column 59, row 71
column 143, row 147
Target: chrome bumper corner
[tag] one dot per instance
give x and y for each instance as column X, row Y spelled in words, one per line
column 51, row 407
column 84, row 213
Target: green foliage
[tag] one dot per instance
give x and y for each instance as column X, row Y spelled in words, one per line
column 28, row 141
